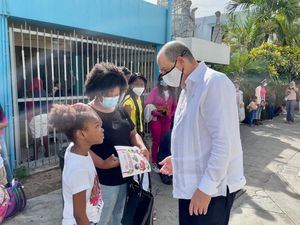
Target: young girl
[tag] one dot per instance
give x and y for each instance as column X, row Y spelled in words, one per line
column 81, row 190
column 252, row 109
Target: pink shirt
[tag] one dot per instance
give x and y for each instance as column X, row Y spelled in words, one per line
column 2, row 121
column 157, row 100
column 263, row 93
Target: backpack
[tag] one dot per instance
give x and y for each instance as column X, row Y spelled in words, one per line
column 17, row 199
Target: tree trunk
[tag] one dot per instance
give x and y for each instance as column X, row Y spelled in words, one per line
column 266, row 38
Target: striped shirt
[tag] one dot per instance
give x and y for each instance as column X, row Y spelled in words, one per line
column 205, row 144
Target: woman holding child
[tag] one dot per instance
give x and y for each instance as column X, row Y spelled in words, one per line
column 105, row 84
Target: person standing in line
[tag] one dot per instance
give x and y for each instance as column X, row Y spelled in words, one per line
column 133, row 102
column 163, row 98
column 207, row 157
column 260, row 93
column 105, row 84
column 240, row 101
column 271, row 105
column 252, row 107
column 291, row 95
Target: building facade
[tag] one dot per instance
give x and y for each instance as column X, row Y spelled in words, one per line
column 205, row 26
column 47, row 48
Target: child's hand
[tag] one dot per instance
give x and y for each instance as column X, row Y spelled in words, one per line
column 111, row 162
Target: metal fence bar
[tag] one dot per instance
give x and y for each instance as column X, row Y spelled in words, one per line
column 65, row 71
column 76, row 69
column 25, row 96
column 121, row 48
column 47, row 100
column 102, row 50
column 93, row 59
column 71, row 69
column 124, row 54
column 14, row 80
column 97, row 50
column 131, row 59
column 58, row 49
column 106, row 57
column 32, row 89
column 58, row 66
column 111, row 53
column 116, row 54
column 82, row 68
column 87, row 58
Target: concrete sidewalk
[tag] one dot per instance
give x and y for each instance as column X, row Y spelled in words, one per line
column 272, row 163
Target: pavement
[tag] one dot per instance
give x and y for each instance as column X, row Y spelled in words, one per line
column 272, row 193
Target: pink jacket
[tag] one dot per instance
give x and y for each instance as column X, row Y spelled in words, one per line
column 159, row 101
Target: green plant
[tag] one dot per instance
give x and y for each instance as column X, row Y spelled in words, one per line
column 282, row 62
column 278, row 19
column 21, row 172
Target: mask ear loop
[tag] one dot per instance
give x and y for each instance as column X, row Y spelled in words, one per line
column 182, row 54
column 161, row 74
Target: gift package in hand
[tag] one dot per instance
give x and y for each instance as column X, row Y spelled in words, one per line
column 163, row 109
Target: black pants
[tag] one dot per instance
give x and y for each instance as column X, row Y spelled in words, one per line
column 218, row 211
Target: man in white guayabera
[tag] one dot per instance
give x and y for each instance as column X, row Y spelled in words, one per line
column 207, row 157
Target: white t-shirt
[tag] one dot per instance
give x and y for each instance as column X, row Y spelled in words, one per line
column 79, row 174
column 1, row 162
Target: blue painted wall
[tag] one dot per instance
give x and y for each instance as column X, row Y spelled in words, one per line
column 134, row 19
column 5, row 82
column 131, row 19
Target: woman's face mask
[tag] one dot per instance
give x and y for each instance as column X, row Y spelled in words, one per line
column 167, row 94
column 138, row 90
column 110, row 102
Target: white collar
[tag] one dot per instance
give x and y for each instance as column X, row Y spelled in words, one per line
column 197, row 73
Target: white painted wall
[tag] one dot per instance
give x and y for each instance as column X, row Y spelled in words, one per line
column 208, row 51
column 204, row 26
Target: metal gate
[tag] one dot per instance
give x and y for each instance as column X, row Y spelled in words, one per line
column 49, row 66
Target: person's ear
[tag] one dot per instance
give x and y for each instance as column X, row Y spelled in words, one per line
column 99, row 96
column 180, row 62
column 79, row 134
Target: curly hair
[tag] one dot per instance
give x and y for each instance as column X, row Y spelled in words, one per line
column 103, row 77
column 70, row 118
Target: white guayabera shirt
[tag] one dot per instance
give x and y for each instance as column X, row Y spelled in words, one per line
column 206, row 146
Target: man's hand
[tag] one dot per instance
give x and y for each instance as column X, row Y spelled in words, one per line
column 167, row 166
column 111, row 162
column 199, row 203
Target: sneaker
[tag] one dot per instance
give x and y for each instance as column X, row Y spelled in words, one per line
column 155, row 168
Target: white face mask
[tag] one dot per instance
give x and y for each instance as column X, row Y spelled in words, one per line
column 138, row 90
column 173, row 78
column 167, row 94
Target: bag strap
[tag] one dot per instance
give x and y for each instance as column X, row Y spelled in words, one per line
column 137, row 111
column 140, row 181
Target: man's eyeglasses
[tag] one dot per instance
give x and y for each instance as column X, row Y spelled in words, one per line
column 181, row 55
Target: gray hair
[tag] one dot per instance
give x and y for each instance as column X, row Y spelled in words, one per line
column 173, row 49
